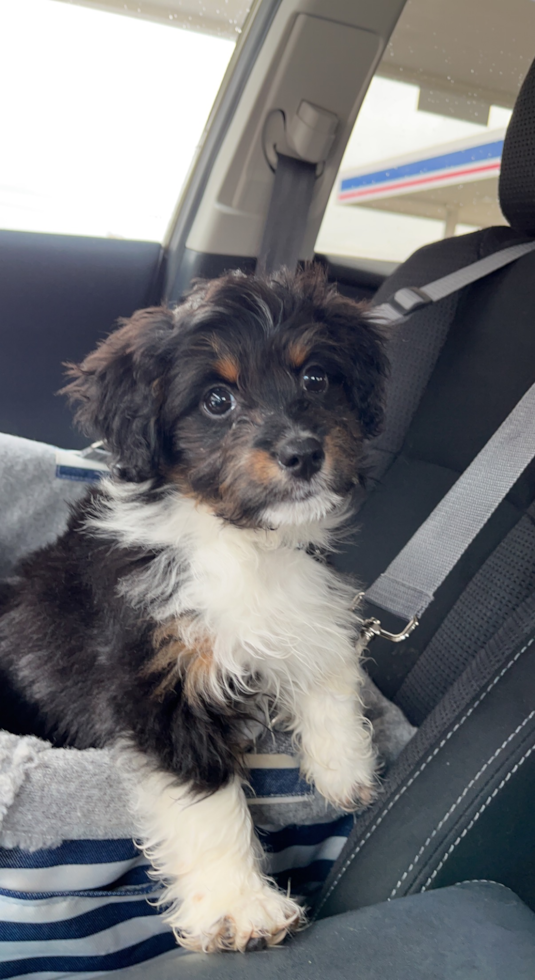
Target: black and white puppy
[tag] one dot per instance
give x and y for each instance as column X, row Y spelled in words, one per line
column 185, row 592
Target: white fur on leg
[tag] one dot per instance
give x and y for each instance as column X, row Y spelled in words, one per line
column 336, row 745
column 205, row 851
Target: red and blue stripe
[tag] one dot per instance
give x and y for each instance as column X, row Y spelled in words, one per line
column 482, row 161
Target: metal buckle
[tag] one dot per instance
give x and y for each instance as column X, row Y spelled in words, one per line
column 372, row 627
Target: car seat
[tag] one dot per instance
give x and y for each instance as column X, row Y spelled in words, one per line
column 458, row 803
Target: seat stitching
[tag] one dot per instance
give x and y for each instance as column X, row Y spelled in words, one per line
column 459, row 800
column 480, row 881
column 477, row 816
column 418, row 772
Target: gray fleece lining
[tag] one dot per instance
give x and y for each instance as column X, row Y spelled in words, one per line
column 49, row 795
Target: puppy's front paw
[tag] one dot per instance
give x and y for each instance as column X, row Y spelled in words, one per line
column 345, row 794
column 243, row 921
column 348, row 784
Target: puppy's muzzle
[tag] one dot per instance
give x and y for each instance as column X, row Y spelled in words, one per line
column 301, row 456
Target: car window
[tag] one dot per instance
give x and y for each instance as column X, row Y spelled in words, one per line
column 424, row 156
column 103, row 107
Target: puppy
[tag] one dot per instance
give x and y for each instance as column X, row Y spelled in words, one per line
column 187, row 594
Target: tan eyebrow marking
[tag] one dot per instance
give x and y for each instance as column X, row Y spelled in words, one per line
column 228, row 368
column 297, row 353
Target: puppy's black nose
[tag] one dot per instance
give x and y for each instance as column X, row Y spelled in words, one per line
column 301, row 456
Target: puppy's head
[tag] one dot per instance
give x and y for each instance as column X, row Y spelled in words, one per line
column 255, row 396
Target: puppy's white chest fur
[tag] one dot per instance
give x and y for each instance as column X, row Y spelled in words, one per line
column 268, row 609
column 266, row 605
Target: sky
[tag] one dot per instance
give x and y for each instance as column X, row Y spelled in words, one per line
column 100, row 117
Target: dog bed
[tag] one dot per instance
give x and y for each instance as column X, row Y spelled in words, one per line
column 76, row 895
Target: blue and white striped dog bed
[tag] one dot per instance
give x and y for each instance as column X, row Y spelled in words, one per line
column 85, row 905
column 76, row 896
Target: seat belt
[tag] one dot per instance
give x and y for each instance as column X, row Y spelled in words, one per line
column 407, row 300
column 415, row 344
column 408, row 585
column 287, row 215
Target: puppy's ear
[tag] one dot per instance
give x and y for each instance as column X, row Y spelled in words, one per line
column 117, row 389
column 361, row 346
column 358, row 342
column 370, row 367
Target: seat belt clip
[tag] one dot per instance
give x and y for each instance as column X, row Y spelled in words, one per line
column 372, row 627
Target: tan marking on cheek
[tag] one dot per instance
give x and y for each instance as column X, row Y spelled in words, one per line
column 297, row 354
column 342, row 450
column 178, row 475
column 193, row 666
column 228, row 368
column 261, row 467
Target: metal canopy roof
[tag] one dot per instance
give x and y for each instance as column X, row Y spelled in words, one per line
column 455, row 182
column 462, row 50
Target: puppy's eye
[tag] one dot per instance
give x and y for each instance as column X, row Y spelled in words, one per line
column 218, row 401
column 314, row 378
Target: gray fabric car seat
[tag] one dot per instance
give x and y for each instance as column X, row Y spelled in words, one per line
column 458, row 803
column 475, row 931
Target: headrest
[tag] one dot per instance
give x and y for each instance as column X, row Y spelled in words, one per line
column 517, row 176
